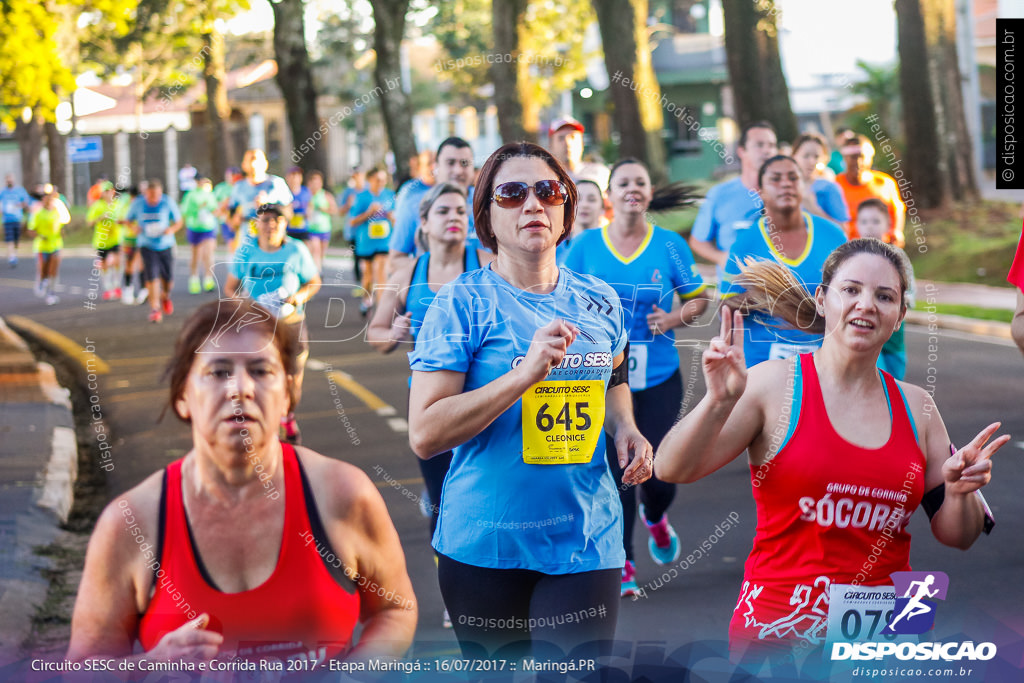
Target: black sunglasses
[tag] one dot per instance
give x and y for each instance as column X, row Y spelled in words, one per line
column 514, row 194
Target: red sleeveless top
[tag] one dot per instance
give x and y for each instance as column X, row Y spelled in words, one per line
column 300, row 610
column 828, row 511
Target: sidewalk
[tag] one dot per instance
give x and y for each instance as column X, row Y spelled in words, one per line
column 38, row 468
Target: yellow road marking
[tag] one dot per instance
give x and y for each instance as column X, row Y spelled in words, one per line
column 57, row 341
column 353, row 387
column 11, row 282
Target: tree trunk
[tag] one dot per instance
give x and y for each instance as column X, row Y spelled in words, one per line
column 389, row 17
column 218, row 111
column 506, row 17
column 30, row 145
column 57, row 152
column 924, row 160
column 635, row 93
column 651, row 115
column 295, row 78
column 759, row 86
column 940, row 27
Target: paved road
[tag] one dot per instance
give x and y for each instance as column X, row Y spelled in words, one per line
column 355, row 402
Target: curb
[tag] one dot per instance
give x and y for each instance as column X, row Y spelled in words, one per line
column 37, row 477
column 985, row 328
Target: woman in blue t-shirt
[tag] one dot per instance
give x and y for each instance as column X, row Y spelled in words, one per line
column 648, row 267
column 519, row 368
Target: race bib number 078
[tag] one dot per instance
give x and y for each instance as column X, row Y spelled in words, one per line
column 562, row 422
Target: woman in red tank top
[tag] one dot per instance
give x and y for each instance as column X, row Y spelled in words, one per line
column 246, row 548
column 836, row 459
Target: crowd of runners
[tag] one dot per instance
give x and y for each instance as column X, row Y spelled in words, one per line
column 541, row 306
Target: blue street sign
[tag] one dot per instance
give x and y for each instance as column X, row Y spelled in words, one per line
column 89, row 148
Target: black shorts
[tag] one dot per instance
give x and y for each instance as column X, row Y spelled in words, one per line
column 12, row 232
column 157, row 264
column 102, row 253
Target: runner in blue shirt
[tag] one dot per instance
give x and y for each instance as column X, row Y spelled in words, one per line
column 513, row 370
column 278, row 272
column 371, row 218
column 823, row 197
column 733, row 205
column 648, row 267
column 298, row 228
column 454, row 165
column 14, row 200
column 790, row 236
column 154, row 218
column 251, row 192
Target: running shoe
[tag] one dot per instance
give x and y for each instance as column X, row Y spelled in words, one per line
column 155, row 317
column 209, row 284
column 13, row 262
column 128, row 298
column 168, row 306
column 51, row 299
column 112, row 295
column 290, row 430
column 629, row 587
column 194, row 287
column 40, row 289
column 663, row 543
column 143, row 295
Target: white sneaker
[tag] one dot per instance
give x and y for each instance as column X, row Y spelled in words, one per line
column 39, row 290
column 128, row 296
column 143, row 295
column 51, row 299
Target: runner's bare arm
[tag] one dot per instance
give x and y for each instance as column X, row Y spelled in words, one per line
column 727, row 419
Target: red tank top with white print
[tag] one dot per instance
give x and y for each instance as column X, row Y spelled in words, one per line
column 828, row 511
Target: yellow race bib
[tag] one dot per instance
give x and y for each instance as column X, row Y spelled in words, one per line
column 298, row 220
column 562, row 422
column 379, row 229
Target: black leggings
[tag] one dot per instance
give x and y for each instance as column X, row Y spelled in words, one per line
column 434, row 471
column 655, row 410
column 504, row 613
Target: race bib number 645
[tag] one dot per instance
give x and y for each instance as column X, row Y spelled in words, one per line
column 562, row 422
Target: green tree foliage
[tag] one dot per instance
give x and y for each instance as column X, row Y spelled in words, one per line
column 550, row 45
column 31, row 71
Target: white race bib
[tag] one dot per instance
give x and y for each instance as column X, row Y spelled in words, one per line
column 860, row 613
column 637, row 366
column 783, row 350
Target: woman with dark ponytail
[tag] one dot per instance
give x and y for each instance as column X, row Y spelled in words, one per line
column 648, row 267
column 840, row 453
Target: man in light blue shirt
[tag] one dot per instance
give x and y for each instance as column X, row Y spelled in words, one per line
column 735, row 204
column 454, row 165
column 155, row 217
column 14, row 200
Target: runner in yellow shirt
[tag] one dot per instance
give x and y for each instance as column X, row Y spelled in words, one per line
column 106, row 239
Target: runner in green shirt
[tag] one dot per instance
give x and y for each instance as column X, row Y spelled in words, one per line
column 198, row 209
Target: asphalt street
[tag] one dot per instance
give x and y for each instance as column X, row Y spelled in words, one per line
column 354, row 407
